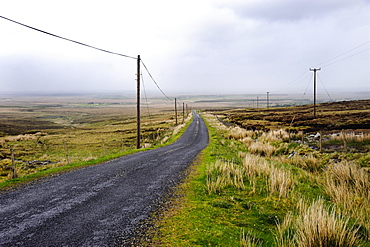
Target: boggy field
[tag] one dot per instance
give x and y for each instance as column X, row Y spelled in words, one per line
column 334, row 116
column 46, row 132
column 343, row 126
column 265, row 180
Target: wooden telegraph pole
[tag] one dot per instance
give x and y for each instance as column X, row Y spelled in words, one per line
column 183, row 112
column 176, row 110
column 138, row 104
column 314, row 89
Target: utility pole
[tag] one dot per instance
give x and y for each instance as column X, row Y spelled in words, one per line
column 267, row 99
column 138, row 104
column 183, row 112
column 314, row 89
column 176, row 110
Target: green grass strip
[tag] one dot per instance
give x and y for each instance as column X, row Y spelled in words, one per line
column 200, row 219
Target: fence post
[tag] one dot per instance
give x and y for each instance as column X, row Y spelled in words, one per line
column 302, row 138
column 344, row 140
column 320, row 141
column 13, row 164
column 66, row 150
column 105, row 152
column 123, row 145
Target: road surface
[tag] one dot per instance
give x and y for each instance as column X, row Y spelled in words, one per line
column 99, row 205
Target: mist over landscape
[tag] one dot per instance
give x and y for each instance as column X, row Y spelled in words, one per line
column 207, row 47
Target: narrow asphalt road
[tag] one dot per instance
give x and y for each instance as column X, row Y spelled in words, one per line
column 99, row 205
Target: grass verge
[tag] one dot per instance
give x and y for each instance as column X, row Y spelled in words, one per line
column 237, row 196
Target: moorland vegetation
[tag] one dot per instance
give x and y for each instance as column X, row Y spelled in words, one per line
column 41, row 137
column 277, row 177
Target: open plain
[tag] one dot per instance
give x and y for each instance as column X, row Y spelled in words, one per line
column 264, row 171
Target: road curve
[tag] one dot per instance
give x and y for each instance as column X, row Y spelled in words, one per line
column 99, row 205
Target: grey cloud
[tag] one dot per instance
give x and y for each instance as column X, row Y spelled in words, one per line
column 291, row 10
column 35, row 73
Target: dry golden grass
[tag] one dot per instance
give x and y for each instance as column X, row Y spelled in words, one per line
column 263, row 149
column 351, row 136
column 248, row 240
column 342, row 219
column 88, row 131
column 280, row 182
column 316, row 225
column 223, row 174
column 25, row 137
column 238, row 133
column 275, row 136
column 256, row 165
column 307, row 162
column 247, row 141
column 348, row 185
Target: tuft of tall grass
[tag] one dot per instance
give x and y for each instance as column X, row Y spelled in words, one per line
column 349, row 187
column 316, row 225
column 307, row 162
column 222, row 174
column 247, row 141
column 238, row 133
column 275, row 136
column 280, row 182
column 25, row 137
column 255, row 165
column 248, row 240
column 263, row 149
column 351, row 136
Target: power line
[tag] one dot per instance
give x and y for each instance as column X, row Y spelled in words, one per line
column 293, row 82
column 322, row 64
column 324, row 87
column 146, row 98
column 305, row 90
column 328, row 63
column 346, row 57
column 77, row 42
column 154, row 80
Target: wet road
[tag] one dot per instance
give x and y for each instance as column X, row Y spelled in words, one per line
column 99, row 205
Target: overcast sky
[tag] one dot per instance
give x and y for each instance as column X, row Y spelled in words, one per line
column 197, row 46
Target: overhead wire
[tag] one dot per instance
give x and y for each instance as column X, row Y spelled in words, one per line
column 60, row 37
column 96, row 48
column 324, row 87
column 154, row 80
column 328, row 63
column 83, row 44
column 291, row 83
column 322, row 64
column 305, row 90
column 146, row 98
column 346, row 57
